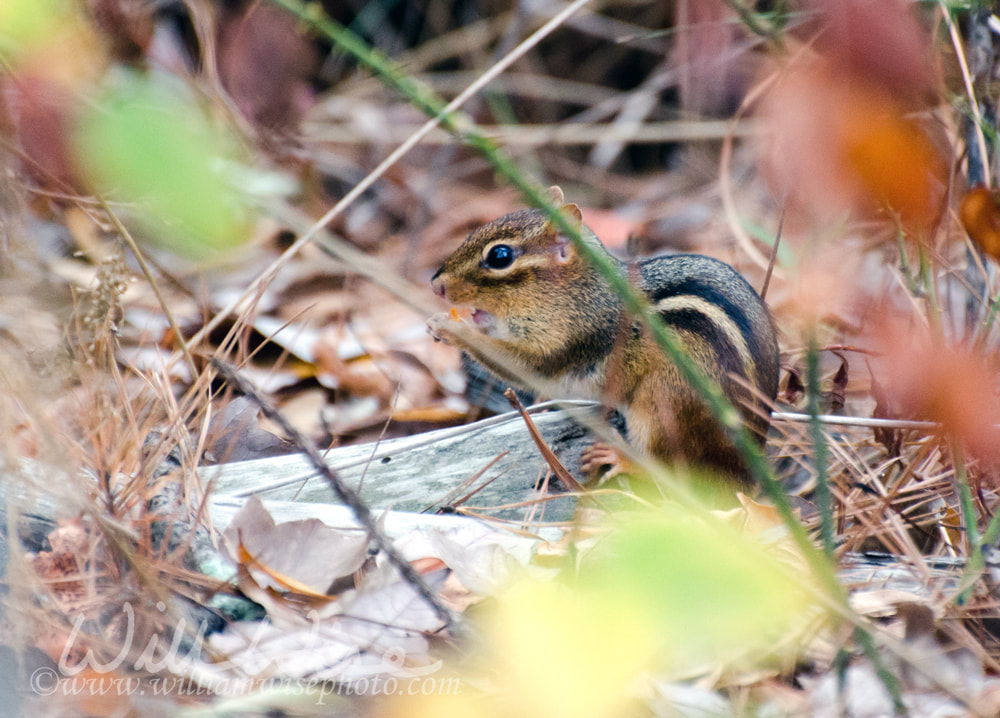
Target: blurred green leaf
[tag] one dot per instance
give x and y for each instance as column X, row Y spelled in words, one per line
column 27, row 23
column 149, row 144
column 707, row 592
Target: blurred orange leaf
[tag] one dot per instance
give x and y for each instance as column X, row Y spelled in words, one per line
column 891, row 158
column 981, row 218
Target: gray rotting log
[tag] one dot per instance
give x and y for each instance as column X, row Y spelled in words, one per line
column 430, row 471
column 420, row 469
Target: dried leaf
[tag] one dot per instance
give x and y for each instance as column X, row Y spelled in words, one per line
column 837, row 394
column 234, row 434
column 891, row 439
column 794, row 388
column 301, row 552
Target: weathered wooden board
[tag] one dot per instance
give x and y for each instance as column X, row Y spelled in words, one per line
column 495, row 458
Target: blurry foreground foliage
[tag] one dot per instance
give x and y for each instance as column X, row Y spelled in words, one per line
column 848, row 124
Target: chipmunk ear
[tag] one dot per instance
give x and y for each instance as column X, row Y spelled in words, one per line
column 571, row 213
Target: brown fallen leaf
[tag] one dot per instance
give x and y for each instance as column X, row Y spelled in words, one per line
column 301, row 556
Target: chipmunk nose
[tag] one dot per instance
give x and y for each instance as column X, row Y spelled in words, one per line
column 437, row 284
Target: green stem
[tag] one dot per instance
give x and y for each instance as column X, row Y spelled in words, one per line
column 987, row 325
column 927, row 277
column 904, row 262
column 992, row 532
column 969, row 518
column 824, row 500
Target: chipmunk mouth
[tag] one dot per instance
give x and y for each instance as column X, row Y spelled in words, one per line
column 482, row 318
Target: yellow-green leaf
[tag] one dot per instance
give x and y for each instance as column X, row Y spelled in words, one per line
column 28, row 23
column 708, row 592
column 147, row 143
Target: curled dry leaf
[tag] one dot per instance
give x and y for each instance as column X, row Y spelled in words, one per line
column 838, row 392
column 891, row 439
column 794, row 388
column 300, row 556
column 234, row 434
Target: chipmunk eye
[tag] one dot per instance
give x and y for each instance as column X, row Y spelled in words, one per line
column 499, row 257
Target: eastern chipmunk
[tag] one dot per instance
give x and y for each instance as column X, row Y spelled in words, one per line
column 538, row 305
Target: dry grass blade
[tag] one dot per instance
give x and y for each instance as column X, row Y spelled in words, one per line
column 551, row 459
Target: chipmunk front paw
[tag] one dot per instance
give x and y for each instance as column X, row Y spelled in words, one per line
column 437, row 327
column 601, row 462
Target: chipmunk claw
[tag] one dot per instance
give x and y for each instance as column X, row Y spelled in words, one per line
column 437, row 327
column 602, row 462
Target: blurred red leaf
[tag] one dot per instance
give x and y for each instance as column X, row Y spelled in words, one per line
column 880, row 41
column 42, row 112
column 265, row 63
column 925, row 378
column 842, row 142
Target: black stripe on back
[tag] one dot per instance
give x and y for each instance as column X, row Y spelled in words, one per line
column 710, row 293
column 689, row 319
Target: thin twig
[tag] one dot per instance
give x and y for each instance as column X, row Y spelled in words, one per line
column 774, row 251
column 798, row 418
column 956, row 41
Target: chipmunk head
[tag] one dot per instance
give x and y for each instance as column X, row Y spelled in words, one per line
column 513, row 271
